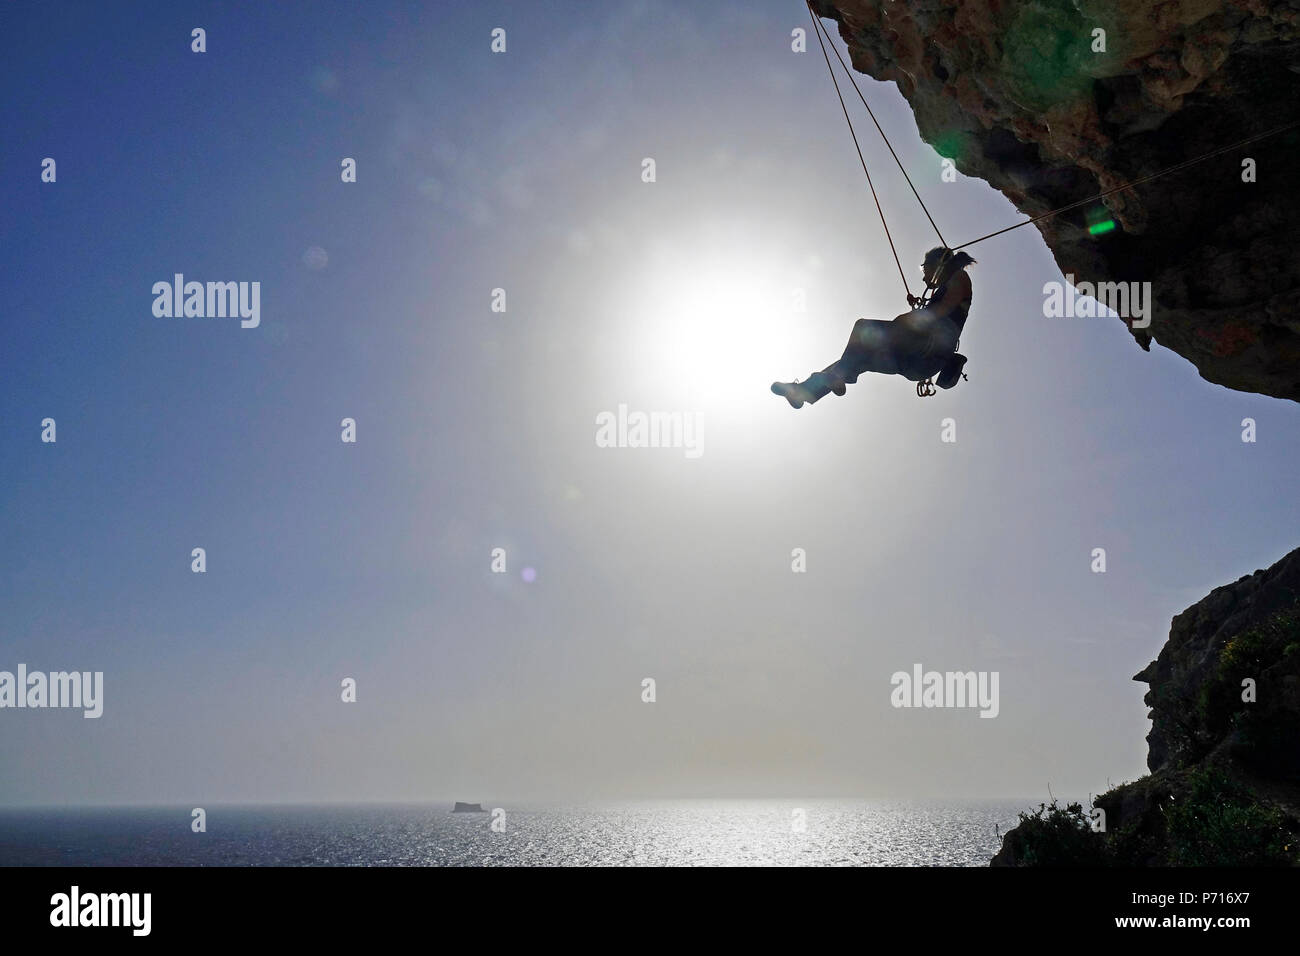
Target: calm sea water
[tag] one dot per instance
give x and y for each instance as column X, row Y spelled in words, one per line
column 695, row 833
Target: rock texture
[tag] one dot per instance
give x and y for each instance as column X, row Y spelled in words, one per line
column 1224, row 746
column 1014, row 94
column 1181, row 730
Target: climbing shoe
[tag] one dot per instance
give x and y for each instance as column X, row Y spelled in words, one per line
column 792, row 392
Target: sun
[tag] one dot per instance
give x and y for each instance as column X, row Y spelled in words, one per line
column 719, row 330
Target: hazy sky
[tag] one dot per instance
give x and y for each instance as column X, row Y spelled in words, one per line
column 476, row 429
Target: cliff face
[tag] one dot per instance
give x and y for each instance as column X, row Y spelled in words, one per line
column 1227, row 631
column 1014, row 94
column 1224, row 744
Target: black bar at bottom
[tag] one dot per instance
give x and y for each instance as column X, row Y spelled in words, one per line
column 304, row 905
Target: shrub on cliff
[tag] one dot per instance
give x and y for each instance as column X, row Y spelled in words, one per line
column 1263, row 732
column 1054, row 836
column 1216, row 821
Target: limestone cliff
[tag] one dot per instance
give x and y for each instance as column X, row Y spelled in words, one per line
column 1190, row 714
column 1224, row 746
column 1014, row 94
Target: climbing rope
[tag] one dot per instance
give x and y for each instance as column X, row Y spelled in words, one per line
column 820, row 29
column 929, row 289
column 1138, row 182
column 852, row 132
column 926, row 388
column 870, row 112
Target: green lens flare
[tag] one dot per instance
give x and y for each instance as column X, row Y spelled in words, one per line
column 949, row 145
column 1047, row 55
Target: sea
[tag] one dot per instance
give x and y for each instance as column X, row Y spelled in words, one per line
column 672, row 833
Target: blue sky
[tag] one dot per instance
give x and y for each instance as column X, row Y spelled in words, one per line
column 522, row 171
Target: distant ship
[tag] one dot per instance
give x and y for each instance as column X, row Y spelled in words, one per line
column 468, row 808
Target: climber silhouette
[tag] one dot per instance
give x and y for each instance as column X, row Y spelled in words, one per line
column 917, row 345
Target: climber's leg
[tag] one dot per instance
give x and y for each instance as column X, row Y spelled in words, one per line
column 924, row 344
column 815, row 388
column 870, row 349
column 792, row 392
column 885, row 348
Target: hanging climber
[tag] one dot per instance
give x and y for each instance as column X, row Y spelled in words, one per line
column 918, row 345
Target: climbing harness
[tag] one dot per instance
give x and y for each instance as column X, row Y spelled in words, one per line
column 926, row 388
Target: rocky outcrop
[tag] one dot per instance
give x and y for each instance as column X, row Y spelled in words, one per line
column 1222, row 638
column 1224, row 746
column 1021, row 95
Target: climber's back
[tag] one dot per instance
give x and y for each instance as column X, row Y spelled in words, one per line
column 952, row 297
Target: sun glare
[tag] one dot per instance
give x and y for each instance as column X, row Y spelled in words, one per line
column 717, row 333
